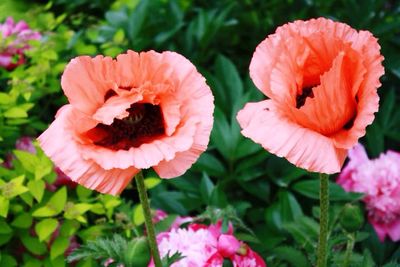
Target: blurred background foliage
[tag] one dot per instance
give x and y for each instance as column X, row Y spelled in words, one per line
column 277, row 201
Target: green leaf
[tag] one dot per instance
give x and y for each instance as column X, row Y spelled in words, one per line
column 7, row 260
column 15, row 112
column 137, row 18
column 4, row 228
column 138, row 215
column 5, row 99
column 206, row 187
column 152, row 182
column 45, row 228
column 36, row 188
column 23, row 221
column 210, row 164
column 137, row 253
column 28, row 160
column 293, row 256
column 229, row 76
column 119, row 36
column 54, row 206
column 33, row 244
column 58, row 247
column 75, row 211
column 83, row 193
column 310, row 188
column 4, row 205
column 14, row 187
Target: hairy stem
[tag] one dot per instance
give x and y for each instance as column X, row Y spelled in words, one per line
column 151, row 236
column 349, row 249
column 323, row 222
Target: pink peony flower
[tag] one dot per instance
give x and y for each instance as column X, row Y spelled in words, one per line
column 379, row 180
column 14, row 38
column 202, row 246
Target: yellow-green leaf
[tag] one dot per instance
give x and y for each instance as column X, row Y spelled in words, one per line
column 45, row 228
column 4, row 205
column 36, row 188
column 138, row 216
column 151, row 182
column 15, row 112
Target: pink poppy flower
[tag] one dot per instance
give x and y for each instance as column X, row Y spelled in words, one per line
column 379, row 180
column 137, row 111
column 15, row 38
column 321, row 78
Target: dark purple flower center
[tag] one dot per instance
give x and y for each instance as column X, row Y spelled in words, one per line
column 144, row 123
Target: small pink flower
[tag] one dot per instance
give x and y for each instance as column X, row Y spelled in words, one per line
column 379, row 180
column 15, row 38
column 228, row 245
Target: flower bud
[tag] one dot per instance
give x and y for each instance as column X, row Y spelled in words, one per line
column 138, row 252
column 351, row 218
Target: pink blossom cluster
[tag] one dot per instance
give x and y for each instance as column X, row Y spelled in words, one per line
column 202, row 245
column 379, row 180
column 14, row 38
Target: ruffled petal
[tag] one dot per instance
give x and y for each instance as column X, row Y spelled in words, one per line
column 146, row 155
column 59, row 143
column 305, row 148
column 116, row 107
column 86, row 80
column 332, row 105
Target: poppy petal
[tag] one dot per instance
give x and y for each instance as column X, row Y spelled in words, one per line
column 86, row 80
column 61, row 146
column 305, row 148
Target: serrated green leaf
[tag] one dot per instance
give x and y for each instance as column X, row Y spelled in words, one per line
column 45, row 228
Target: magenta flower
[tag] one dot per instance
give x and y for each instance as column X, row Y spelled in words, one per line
column 203, row 245
column 14, row 38
column 379, row 180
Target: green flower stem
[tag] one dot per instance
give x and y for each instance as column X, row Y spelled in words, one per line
column 323, row 222
column 151, row 236
column 349, row 249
